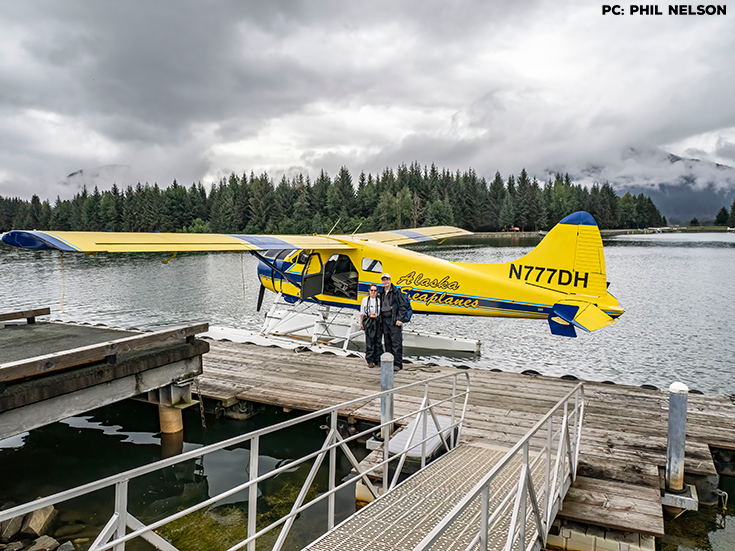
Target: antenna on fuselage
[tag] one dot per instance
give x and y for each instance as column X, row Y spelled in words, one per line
column 357, row 228
column 335, row 225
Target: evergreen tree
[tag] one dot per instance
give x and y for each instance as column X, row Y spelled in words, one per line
column 496, row 194
column 731, row 220
column 261, row 204
column 439, row 213
column 722, row 217
column 506, row 218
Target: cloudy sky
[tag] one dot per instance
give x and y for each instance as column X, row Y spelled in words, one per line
column 152, row 91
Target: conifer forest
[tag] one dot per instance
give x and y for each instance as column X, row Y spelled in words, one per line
column 409, row 196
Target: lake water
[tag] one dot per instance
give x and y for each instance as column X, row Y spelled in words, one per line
column 677, row 290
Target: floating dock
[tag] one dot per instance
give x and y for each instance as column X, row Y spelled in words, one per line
column 623, row 449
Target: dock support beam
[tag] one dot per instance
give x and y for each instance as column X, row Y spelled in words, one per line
column 676, row 437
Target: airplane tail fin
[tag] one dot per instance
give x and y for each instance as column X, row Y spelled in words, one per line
column 570, row 261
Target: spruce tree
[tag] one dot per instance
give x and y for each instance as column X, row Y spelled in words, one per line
column 722, row 217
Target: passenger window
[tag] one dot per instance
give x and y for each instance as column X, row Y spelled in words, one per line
column 371, row 265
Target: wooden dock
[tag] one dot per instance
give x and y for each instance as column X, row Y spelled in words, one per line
column 51, row 371
column 623, row 451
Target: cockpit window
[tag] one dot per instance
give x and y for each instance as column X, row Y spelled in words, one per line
column 372, row 265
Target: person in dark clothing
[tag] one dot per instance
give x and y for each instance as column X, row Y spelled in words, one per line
column 393, row 310
column 370, row 323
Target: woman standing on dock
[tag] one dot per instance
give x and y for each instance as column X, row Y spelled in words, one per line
column 370, row 323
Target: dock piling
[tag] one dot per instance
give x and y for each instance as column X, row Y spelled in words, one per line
column 386, row 402
column 676, row 437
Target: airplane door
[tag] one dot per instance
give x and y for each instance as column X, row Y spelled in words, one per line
column 312, row 276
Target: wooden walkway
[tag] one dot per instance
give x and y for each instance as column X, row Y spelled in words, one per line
column 623, row 450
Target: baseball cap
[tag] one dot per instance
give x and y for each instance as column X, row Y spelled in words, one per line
column 385, row 276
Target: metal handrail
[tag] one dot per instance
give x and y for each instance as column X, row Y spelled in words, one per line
column 114, row 534
column 557, row 479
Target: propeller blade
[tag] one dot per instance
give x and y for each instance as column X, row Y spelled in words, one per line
column 261, row 294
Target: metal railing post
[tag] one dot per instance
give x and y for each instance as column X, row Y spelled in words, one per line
column 253, row 490
column 526, row 471
column 425, row 415
column 121, row 510
column 454, row 405
column 332, row 471
column 484, row 514
column 386, row 410
column 547, row 480
column 676, row 438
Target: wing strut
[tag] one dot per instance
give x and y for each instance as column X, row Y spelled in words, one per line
column 276, row 269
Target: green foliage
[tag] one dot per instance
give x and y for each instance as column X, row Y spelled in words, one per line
column 694, row 222
column 410, row 196
column 730, row 221
column 722, row 217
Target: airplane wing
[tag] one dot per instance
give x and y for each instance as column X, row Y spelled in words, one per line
column 415, row 235
column 119, row 242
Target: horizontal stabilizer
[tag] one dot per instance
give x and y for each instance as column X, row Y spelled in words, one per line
column 585, row 315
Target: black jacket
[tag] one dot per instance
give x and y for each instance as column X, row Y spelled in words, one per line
column 399, row 306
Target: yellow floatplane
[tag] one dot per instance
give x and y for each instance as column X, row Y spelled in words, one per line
column 562, row 280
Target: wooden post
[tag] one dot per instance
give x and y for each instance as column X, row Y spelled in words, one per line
column 171, row 419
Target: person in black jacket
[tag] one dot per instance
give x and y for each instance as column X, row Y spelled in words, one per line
column 393, row 310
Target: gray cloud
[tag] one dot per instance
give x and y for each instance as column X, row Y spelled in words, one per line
column 194, row 90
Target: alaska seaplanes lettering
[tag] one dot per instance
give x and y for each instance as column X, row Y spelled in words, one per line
column 412, row 279
column 558, row 277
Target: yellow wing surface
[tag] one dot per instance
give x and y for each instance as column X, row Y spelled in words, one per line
column 127, row 242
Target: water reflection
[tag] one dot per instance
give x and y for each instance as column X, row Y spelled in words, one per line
column 125, row 435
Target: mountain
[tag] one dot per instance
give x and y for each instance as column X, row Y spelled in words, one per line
column 682, row 188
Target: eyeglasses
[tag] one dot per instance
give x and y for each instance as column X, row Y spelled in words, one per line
column 373, row 290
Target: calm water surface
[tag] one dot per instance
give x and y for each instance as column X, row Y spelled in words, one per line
column 677, row 290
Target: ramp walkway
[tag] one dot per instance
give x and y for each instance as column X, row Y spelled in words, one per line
column 401, row 519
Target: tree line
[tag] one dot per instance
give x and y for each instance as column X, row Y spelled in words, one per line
column 725, row 217
column 410, row 196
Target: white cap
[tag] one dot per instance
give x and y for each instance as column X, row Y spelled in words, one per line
column 678, row 388
column 384, row 276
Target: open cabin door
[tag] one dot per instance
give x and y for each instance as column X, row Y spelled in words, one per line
column 312, row 276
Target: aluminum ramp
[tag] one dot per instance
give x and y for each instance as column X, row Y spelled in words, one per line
column 402, row 518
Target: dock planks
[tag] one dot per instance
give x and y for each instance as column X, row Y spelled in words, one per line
column 623, row 440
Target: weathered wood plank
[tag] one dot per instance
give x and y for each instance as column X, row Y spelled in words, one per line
column 29, row 315
column 93, row 353
column 615, row 511
column 54, row 384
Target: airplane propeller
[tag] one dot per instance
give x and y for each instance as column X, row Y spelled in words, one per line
column 261, row 294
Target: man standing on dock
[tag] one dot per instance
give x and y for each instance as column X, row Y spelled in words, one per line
column 393, row 310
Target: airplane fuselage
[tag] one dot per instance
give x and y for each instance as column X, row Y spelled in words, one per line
column 435, row 285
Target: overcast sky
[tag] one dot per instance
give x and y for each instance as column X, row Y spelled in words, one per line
column 156, row 90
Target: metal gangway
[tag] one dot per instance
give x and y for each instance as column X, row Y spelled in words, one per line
column 534, row 474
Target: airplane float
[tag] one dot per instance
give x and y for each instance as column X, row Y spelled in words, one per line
column 562, row 280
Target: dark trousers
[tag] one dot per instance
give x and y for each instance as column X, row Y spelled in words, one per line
column 373, row 348
column 393, row 337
